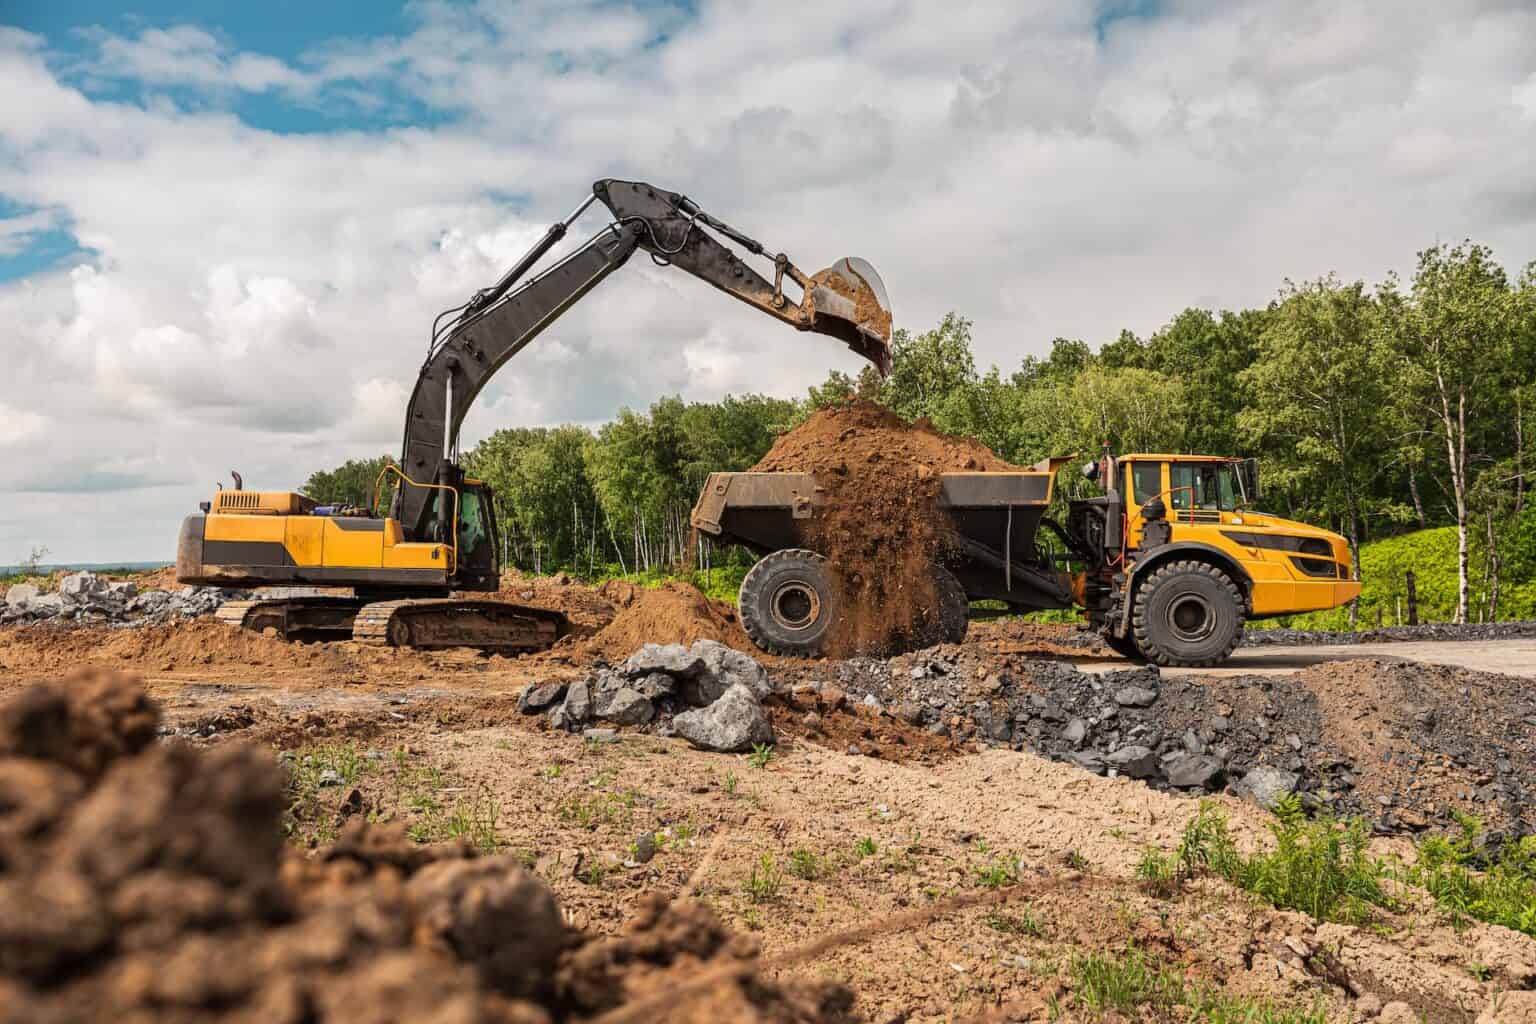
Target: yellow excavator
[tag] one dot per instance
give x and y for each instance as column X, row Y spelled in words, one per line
column 401, row 572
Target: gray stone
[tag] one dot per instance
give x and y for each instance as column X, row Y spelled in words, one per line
column 910, row 712
column 536, row 697
column 725, row 667
column 645, row 849
column 1196, row 771
column 657, row 684
column 871, row 701
column 330, row 777
column 578, row 702
column 1135, row 761
column 629, row 707
column 45, row 605
column 1192, row 742
column 600, row 735
column 1135, row 697
column 1087, row 759
column 21, row 594
column 84, row 588
column 124, row 590
column 673, row 659
column 732, row 724
column 1075, row 732
column 1266, row 786
column 560, row 718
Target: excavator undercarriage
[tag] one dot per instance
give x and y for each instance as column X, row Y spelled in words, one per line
column 397, row 578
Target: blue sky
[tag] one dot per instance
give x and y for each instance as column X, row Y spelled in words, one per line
column 225, row 227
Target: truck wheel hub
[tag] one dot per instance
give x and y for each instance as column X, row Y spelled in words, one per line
column 795, row 605
column 1191, row 617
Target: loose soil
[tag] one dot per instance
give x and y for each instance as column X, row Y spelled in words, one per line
column 144, row 882
column 879, row 523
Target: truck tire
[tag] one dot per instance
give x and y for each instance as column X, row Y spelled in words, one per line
column 1188, row 614
column 954, row 606
column 788, row 603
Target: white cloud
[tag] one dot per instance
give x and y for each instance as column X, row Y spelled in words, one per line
column 261, row 301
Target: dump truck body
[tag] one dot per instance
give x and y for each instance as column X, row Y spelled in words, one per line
column 1168, row 563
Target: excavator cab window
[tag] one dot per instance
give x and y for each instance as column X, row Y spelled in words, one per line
column 477, row 542
column 1147, row 477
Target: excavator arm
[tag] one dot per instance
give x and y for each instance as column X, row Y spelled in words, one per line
column 846, row 301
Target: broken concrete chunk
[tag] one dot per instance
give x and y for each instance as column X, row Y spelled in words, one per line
column 628, row 707
column 1135, row 697
column 1196, row 771
column 1267, row 786
column 724, row 667
column 538, row 696
column 732, row 724
column 20, row 595
column 673, row 659
column 1135, row 761
column 578, row 702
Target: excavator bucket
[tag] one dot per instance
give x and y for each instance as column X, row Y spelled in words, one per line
column 848, row 301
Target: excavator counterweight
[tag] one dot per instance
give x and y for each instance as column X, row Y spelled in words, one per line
column 397, row 573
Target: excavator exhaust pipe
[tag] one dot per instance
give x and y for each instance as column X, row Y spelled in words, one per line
column 848, row 301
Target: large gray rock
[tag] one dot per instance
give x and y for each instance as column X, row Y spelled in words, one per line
column 1196, row 771
column 83, row 588
column 673, row 659
column 722, row 668
column 152, row 602
column 538, row 696
column 20, row 595
column 45, row 606
column 732, row 724
column 578, row 703
column 1134, row 761
column 1267, row 786
column 655, row 685
column 629, row 707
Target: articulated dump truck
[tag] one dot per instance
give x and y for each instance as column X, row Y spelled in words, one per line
column 1167, row 564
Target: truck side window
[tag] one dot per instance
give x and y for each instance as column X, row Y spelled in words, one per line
column 1147, row 477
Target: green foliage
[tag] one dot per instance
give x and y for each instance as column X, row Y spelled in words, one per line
column 805, row 864
column 1455, row 871
column 995, row 874
column 351, row 483
column 865, row 847
column 762, row 754
column 1130, row 980
column 1319, row 867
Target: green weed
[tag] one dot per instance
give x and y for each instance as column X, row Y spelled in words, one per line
column 865, row 847
column 805, row 864
column 764, row 881
column 1467, row 884
column 762, row 753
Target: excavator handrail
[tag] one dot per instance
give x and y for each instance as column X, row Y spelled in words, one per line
column 453, row 547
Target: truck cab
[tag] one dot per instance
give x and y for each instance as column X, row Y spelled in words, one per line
column 1193, row 560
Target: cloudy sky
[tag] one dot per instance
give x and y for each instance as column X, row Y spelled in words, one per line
column 225, row 227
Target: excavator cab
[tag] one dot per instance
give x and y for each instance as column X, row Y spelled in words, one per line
column 465, row 518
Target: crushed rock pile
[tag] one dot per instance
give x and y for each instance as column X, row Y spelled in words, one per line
column 85, row 598
column 1406, row 745
column 145, row 881
column 707, row 693
column 880, row 522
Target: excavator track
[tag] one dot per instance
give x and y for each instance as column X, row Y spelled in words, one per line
column 451, row 622
column 304, row 617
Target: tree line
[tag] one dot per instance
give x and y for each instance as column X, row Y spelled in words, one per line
column 1374, row 409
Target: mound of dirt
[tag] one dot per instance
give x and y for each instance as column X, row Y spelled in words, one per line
column 145, row 882
column 674, row 613
column 586, row 609
column 881, row 524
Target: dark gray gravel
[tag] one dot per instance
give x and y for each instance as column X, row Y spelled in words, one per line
column 1423, row 631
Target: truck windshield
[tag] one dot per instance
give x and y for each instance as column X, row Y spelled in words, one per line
column 1210, row 485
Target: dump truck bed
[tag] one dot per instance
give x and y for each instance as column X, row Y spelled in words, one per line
column 996, row 519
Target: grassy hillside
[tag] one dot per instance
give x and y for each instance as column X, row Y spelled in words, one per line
column 1431, row 556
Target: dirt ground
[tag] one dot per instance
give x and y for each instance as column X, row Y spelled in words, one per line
column 934, row 877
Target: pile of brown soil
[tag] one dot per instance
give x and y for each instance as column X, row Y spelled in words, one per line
column 145, row 882
column 586, row 609
column 880, row 523
column 674, row 613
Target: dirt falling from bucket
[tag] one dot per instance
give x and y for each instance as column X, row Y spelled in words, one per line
column 880, row 523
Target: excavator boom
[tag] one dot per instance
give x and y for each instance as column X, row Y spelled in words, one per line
column 846, row 301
